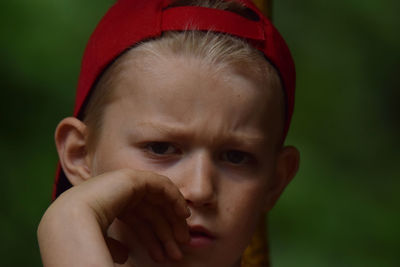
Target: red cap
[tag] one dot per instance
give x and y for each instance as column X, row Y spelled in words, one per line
column 129, row 22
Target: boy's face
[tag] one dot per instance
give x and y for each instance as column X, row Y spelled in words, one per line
column 214, row 134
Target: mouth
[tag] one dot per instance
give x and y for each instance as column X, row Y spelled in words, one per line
column 200, row 237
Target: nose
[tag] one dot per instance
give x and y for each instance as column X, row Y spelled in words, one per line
column 197, row 180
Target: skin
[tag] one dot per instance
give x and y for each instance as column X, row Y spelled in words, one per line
column 178, row 136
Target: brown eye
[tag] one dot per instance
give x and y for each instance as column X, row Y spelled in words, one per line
column 236, row 157
column 161, row 148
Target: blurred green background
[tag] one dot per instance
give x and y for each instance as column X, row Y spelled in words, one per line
column 343, row 208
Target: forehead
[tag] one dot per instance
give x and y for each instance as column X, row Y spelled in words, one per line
column 185, row 92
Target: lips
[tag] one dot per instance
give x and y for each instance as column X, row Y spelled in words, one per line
column 200, row 237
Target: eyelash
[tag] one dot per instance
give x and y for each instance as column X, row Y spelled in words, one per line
column 247, row 158
column 229, row 156
column 150, row 147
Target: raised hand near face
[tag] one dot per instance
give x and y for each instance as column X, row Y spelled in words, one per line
column 73, row 231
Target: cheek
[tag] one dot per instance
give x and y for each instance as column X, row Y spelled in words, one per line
column 249, row 195
column 110, row 155
column 244, row 209
column 244, row 203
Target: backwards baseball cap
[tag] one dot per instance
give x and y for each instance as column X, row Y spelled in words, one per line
column 129, row 22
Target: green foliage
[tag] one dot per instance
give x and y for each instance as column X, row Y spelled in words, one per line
column 343, row 207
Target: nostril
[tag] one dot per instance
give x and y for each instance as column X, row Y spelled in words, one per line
column 200, row 201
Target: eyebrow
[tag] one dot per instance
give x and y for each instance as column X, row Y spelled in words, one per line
column 233, row 137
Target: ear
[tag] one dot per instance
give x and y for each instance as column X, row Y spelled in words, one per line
column 287, row 165
column 71, row 142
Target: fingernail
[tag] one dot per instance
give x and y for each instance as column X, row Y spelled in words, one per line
column 188, row 212
column 182, row 212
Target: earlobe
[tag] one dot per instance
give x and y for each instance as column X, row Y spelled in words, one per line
column 71, row 143
column 287, row 165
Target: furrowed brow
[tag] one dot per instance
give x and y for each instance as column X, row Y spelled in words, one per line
column 245, row 139
column 182, row 132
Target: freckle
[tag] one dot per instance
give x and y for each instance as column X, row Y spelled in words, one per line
column 228, row 210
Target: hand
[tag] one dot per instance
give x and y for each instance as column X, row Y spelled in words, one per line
column 73, row 230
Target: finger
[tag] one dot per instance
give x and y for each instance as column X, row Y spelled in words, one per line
column 118, row 251
column 179, row 226
column 109, row 194
column 162, row 229
column 158, row 195
column 148, row 239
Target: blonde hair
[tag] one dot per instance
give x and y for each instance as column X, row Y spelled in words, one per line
column 223, row 52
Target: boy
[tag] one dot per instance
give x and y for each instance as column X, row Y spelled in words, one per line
column 176, row 148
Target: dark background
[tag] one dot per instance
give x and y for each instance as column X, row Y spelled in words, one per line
column 343, row 207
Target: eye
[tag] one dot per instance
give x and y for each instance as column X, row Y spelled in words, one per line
column 236, row 157
column 161, row 148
